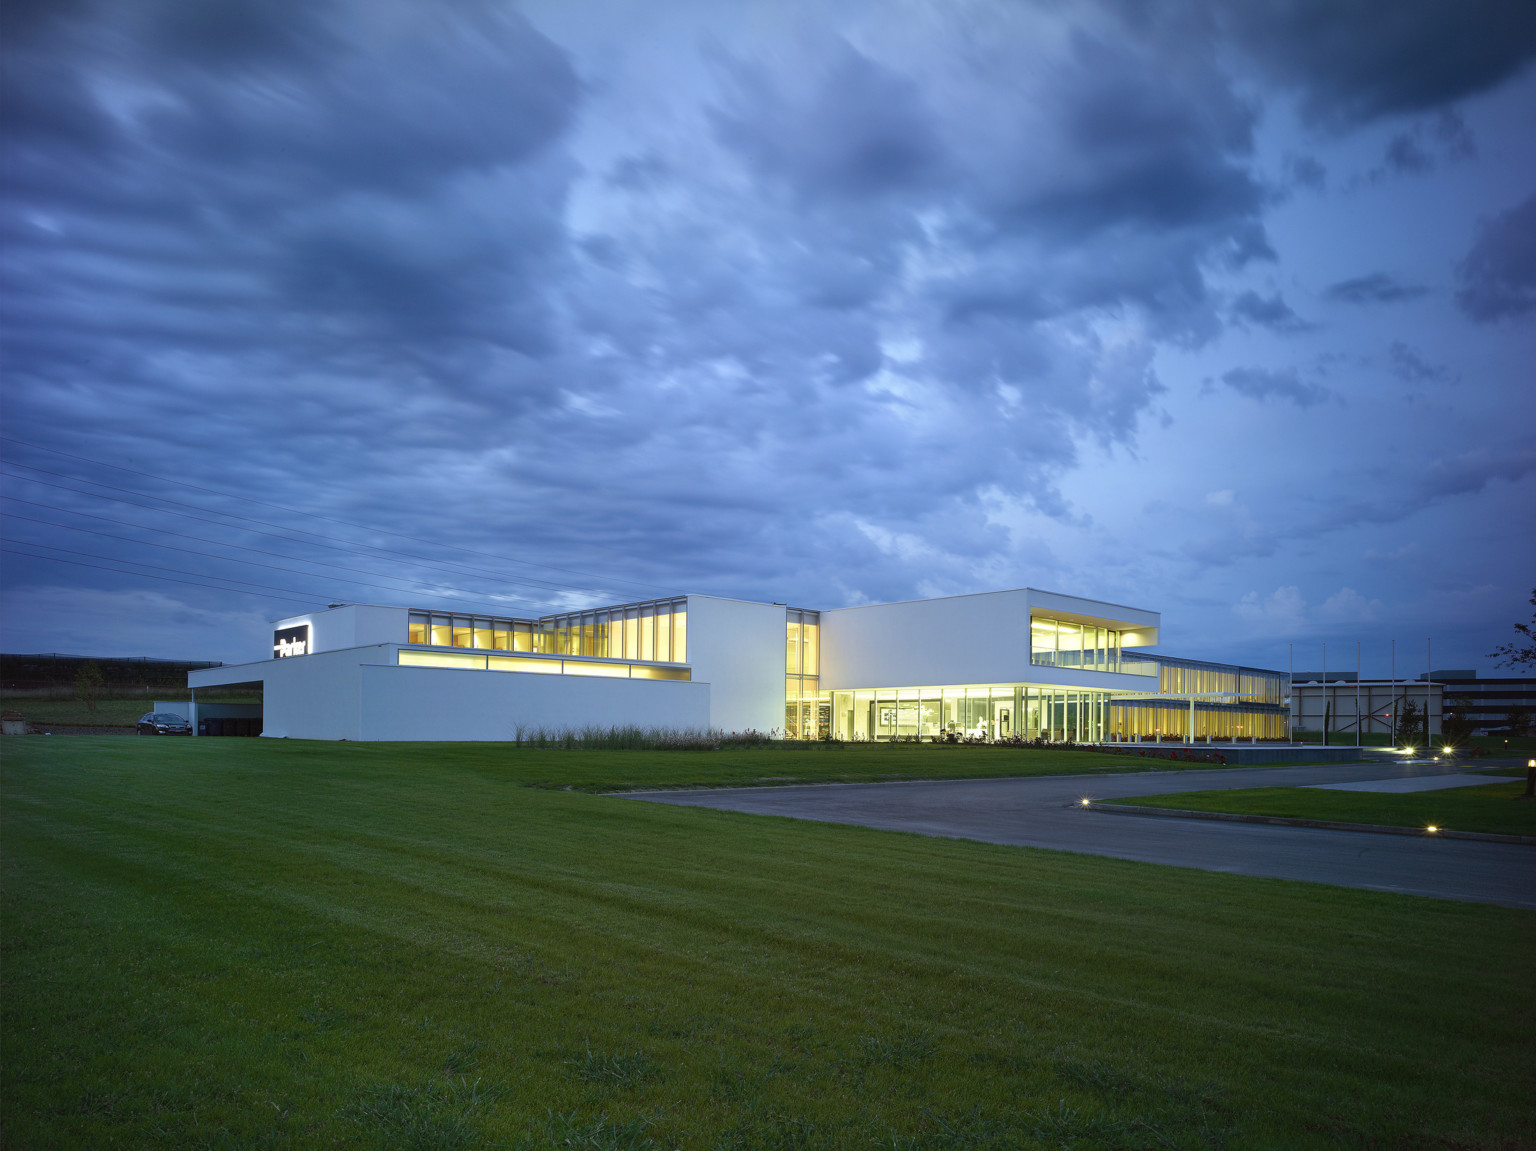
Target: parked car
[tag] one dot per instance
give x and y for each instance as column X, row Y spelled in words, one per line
column 163, row 723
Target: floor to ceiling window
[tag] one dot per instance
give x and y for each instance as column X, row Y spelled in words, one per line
column 992, row 712
column 806, row 715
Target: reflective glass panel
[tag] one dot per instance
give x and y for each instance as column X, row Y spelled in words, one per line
column 612, row 670
column 440, row 659
column 512, row 663
column 647, row 671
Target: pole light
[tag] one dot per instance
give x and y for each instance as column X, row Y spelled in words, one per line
column 1530, row 779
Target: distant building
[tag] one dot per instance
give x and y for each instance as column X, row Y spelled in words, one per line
column 1486, row 703
column 1347, row 704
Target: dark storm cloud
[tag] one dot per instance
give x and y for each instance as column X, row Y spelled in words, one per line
column 1268, row 311
column 1498, row 276
column 1139, row 149
column 1358, row 60
column 1410, row 367
column 859, row 129
column 1376, row 288
column 820, row 312
column 1275, row 384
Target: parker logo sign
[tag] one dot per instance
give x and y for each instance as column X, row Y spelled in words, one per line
column 290, row 641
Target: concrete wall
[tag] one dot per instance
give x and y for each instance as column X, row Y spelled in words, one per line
column 429, row 703
column 980, row 638
column 738, row 649
column 355, row 625
column 316, row 696
column 359, row 693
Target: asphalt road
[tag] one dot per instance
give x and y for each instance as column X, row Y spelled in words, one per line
column 1047, row 812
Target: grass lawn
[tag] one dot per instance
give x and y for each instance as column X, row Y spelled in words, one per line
column 118, row 711
column 235, row 943
column 1492, row 808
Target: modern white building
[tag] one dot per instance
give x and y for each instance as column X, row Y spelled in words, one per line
column 1021, row 663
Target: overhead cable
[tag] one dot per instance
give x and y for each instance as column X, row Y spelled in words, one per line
column 328, row 519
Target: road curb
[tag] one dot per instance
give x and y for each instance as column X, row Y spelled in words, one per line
column 1325, row 824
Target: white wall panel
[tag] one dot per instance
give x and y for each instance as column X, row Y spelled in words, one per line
column 980, row 638
column 738, row 648
column 428, row 703
column 314, row 696
column 354, row 625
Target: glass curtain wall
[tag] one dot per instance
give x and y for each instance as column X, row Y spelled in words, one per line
column 1063, row 643
column 655, row 631
column 997, row 711
column 1252, row 685
column 806, row 714
column 474, row 631
column 1138, row 722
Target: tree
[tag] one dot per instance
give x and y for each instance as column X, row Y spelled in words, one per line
column 1519, row 654
column 1408, row 724
column 88, row 685
column 1518, row 720
column 1456, row 724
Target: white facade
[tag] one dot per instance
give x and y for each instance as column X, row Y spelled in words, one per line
column 737, row 647
column 982, row 638
column 1018, row 664
column 362, row 693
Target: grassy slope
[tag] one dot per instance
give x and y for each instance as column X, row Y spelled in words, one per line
column 1492, row 808
column 119, row 711
column 236, row 943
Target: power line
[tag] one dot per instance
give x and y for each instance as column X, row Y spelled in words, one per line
column 316, row 515
column 318, row 541
column 155, row 567
column 166, row 579
column 200, row 539
column 210, row 555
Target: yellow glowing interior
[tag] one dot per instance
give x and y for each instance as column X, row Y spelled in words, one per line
column 512, row 663
column 441, row 659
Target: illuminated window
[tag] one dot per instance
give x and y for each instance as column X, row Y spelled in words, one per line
column 663, row 634
column 641, row 671
column 581, row 667
column 462, row 631
column 484, row 635
column 420, row 628
column 792, row 644
column 442, row 631
column 448, row 659
column 512, row 663
column 647, row 632
column 501, row 636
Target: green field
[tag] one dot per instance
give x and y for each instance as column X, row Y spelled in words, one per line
column 107, row 711
column 253, row 943
column 1496, row 808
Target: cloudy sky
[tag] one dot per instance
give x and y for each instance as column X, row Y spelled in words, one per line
column 1227, row 311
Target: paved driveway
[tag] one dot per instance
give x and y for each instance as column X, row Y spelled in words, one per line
column 1047, row 812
